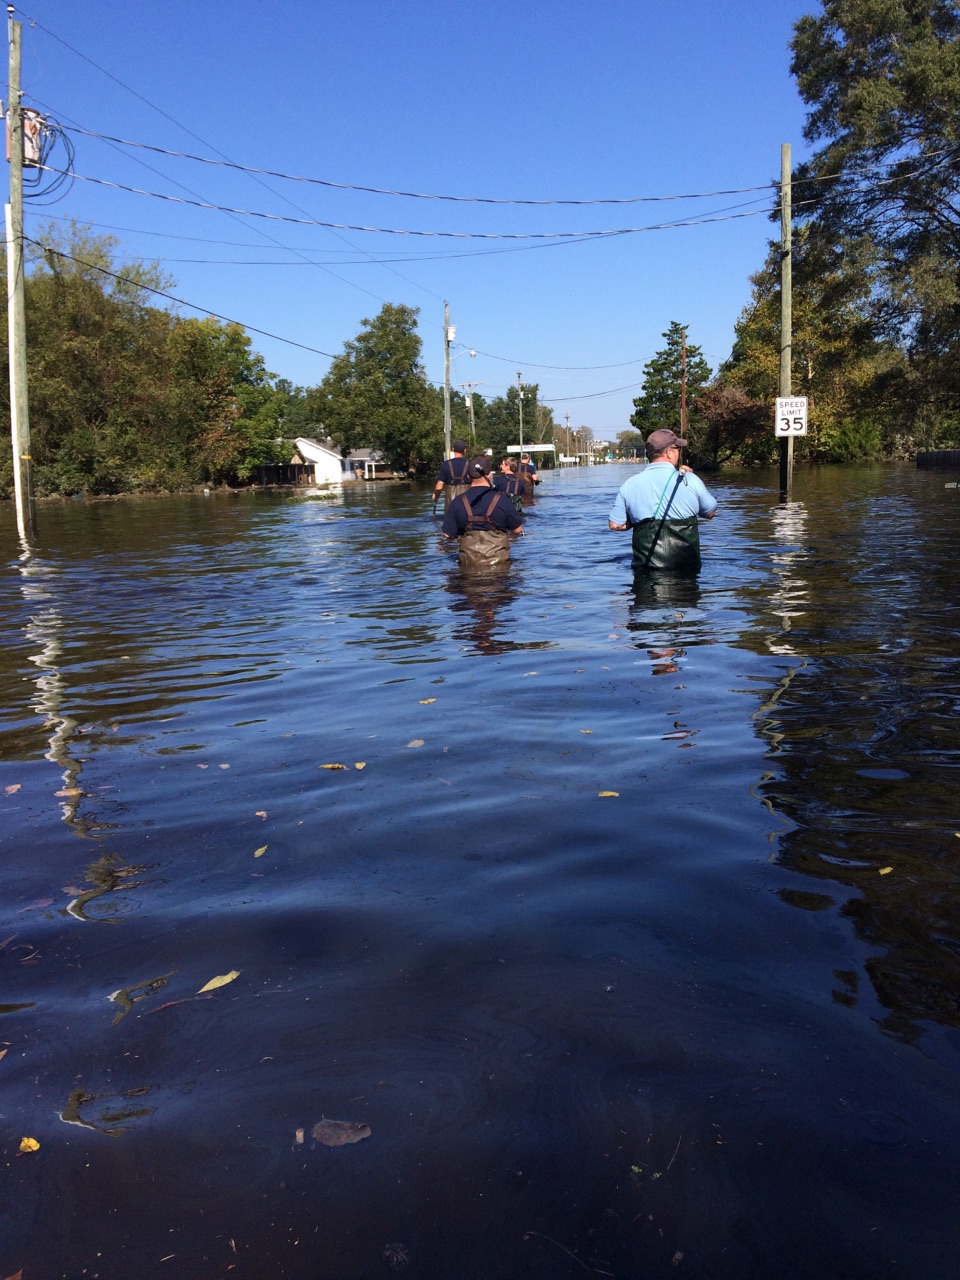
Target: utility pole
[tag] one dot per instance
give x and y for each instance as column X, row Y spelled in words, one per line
column 786, row 314
column 567, row 450
column 448, row 336
column 520, row 402
column 683, row 385
column 16, row 315
column 468, row 387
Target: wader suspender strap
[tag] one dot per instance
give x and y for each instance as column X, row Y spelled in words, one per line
column 483, row 515
column 464, row 463
column 663, row 518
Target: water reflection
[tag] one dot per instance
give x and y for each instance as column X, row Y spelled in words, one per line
column 482, row 605
column 660, row 616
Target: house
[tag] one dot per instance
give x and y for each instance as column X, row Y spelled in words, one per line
column 366, row 464
column 327, row 463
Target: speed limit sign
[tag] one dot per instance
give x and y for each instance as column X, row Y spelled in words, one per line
column 791, row 419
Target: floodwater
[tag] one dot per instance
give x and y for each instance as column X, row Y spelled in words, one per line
column 623, row 940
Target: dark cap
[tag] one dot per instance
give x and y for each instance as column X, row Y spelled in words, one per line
column 479, row 466
column 459, row 446
column 660, row 441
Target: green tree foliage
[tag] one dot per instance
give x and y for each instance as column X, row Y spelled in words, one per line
column 848, row 374
column 125, row 396
column 630, row 443
column 499, row 425
column 658, row 405
column 882, row 80
column 376, row 394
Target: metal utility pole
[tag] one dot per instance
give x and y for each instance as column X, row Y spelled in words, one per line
column 446, row 379
column 16, row 316
column 786, row 314
column 468, row 387
column 520, row 402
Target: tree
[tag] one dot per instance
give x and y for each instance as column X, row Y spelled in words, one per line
column 124, row 395
column 630, row 444
column 851, row 377
column 882, row 80
column 376, row 393
column 658, row 405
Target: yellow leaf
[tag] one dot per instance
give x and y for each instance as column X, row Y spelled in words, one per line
column 425, row 702
column 609, row 793
column 586, row 731
column 29, row 1144
column 258, row 853
column 333, row 766
column 220, row 981
column 885, row 871
column 13, row 788
column 223, row 766
column 415, row 742
column 69, row 791
column 361, row 764
column 261, row 813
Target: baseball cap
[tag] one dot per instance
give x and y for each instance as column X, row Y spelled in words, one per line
column 660, row 441
column 479, row 466
column 459, row 446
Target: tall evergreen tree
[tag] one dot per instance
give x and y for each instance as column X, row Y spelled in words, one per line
column 658, row 405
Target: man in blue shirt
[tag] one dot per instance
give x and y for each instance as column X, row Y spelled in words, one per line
column 484, row 520
column 662, row 505
column 453, row 479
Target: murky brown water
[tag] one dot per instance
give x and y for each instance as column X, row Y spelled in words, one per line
column 706, row 1026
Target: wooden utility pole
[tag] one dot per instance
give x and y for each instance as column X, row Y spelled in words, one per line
column 520, row 402
column 683, row 385
column 786, row 314
column 16, row 316
column 468, row 387
column 446, row 380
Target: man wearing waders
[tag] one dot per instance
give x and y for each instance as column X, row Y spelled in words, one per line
column 453, row 479
column 509, row 482
column 662, row 505
column 484, row 519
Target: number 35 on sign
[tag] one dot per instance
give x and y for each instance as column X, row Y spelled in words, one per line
column 791, row 419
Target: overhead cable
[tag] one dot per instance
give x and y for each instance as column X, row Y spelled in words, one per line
column 396, row 231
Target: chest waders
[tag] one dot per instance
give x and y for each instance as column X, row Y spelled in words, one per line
column 450, row 491
column 482, row 545
column 513, row 488
column 660, row 543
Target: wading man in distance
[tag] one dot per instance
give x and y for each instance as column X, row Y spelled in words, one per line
column 484, row 519
column 453, row 478
column 663, row 505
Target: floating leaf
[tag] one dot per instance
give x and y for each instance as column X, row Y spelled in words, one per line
column 361, row 764
column 333, row 766
column 885, row 871
column 585, row 731
column 415, row 742
column 258, row 853
column 261, row 813
column 223, row 766
column 31, row 1144
column 608, row 793
column 69, row 791
column 13, row 788
column 220, row 981
column 339, row 1133
column 425, row 702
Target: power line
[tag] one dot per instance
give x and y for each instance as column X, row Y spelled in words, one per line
column 160, row 293
column 397, row 231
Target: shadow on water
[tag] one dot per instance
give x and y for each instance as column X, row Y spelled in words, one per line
column 617, row 919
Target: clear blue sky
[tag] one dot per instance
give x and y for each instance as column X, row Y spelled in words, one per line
column 509, row 99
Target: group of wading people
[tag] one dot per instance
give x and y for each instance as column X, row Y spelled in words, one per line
column 662, row 504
